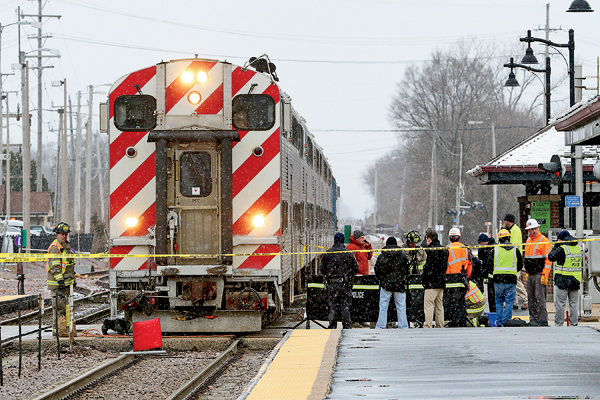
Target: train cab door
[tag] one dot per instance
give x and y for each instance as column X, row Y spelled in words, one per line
column 193, row 195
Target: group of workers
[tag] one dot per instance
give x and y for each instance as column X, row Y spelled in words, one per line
column 503, row 266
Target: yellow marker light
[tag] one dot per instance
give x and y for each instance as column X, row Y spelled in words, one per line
column 194, row 97
column 131, row 222
column 202, row 77
column 187, row 77
column 258, row 221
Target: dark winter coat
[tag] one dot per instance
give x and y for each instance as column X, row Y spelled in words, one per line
column 486, row 255
column 337, row 265
column 557, row 255
column 392, row 269
column 434, row 271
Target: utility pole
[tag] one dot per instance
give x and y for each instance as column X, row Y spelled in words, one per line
column 88, row 162
column 77, row 192
column 64, row 173
column 40, row 69
column 26, row 146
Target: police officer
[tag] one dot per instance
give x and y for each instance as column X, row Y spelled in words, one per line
column 61, row 275
column 567, row 277
column 339, row 267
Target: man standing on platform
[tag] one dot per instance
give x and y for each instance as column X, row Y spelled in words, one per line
column 507, row 264
column 339, row 267
column 359, row 242
column 538, row 267
column 434, row 273
column 392, row 269
column 485, row 254
column 61, row 275
column 516, row 238
column 567, row 277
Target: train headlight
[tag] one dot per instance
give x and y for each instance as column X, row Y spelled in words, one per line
column 194, row 97
column 258, row 221
column 202, row 77
column 131, row 222
column 187, row 77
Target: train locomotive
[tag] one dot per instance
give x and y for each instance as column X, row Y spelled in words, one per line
column 210, row 165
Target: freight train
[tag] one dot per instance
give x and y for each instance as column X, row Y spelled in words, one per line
column 217, row 192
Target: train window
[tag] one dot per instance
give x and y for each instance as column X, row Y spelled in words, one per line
column 298, row 136
column 284, row 216
column 309, row 152
column 196, row 179
column 135, row 113
column 253, row 112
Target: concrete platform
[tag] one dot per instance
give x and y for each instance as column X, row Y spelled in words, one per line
column 468, row 363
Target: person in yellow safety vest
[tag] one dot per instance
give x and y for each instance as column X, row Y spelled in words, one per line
column 417, row 257
column 568, row 264
column 61, row 274
column 538, row 268
column 475, row 301
column 507, row 264
column 459, row 258
column 516, row 238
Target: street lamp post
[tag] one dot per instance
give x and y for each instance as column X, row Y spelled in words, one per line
column 576, row 168
column 64, row 182
column 512, row 81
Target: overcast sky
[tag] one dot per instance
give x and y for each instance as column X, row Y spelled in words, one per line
column 339, row 60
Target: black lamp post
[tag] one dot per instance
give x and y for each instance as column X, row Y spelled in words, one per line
column 512, row 81
column 570, row 45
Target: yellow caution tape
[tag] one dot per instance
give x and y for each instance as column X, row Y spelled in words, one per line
column 29, row 257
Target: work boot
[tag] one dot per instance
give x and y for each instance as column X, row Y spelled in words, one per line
column 62, row 326
column 525, row 306
column 515, row 306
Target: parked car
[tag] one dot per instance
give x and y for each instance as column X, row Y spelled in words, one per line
column 39, row 230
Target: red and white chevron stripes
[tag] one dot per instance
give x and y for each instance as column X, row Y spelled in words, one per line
column 255, row 180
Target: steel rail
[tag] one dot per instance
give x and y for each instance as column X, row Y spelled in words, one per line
column 31, row 315
column 90, row 377
column 201, row 377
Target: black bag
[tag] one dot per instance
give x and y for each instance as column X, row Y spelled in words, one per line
column 515, row 322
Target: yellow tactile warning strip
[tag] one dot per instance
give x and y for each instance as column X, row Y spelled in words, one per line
column 295, row 369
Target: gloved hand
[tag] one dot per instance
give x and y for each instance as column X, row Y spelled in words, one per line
column 544, row 280
column 61, row 284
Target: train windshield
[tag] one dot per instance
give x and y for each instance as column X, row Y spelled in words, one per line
column 253, row 112
column 135, row 113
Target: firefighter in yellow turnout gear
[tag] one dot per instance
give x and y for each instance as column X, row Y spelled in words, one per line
column 61, row 276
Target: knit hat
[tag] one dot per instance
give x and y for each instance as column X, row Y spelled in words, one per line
column 391, row 241
column 483, row 238
column 358, row 233
column 510, row 218
column 565, row 236
column 338, row 238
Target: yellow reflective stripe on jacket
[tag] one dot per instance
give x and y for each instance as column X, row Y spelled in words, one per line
column 367, row 287
column 505, row 261
column 415, row 286
column 453, row 285
column 474, row 295
column 316, row 285
column 475, row 310
column 573, row 262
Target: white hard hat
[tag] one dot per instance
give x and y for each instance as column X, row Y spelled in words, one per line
column 532, row 223
column 454, row 232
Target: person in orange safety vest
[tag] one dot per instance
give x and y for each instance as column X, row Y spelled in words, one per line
column 538, row 267
column 459, row 259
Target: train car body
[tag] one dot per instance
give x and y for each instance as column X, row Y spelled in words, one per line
column 209, row 166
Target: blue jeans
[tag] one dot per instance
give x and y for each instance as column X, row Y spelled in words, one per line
column 384, row 302
column 505, row 298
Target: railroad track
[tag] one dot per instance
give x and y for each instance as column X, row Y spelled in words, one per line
column 79, row 387
column 33, row 315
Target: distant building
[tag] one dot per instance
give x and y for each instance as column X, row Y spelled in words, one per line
column 41, row 212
